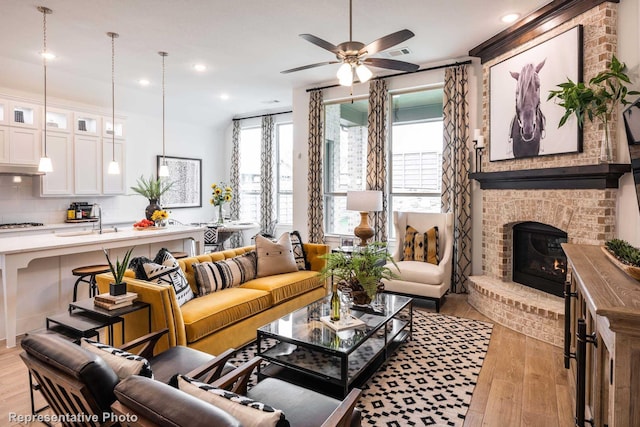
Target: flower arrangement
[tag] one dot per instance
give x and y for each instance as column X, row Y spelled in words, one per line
column 160, row 217
column 220, row 194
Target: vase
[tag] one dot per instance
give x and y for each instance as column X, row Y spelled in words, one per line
column 605, row 145
column 116, row 289
column 220, row 219
column 151, row 208
column 161, row 223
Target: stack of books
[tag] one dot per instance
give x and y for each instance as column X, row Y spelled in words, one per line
column 111, row 302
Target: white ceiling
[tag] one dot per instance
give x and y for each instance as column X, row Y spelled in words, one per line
column 244, row 43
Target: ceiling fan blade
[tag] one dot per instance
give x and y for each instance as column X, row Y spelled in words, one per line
column 304, row 67
column 391, row 64
column 386, row 42
column 322, row 43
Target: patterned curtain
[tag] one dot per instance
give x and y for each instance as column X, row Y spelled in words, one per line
column 235, row 179
column 314, row 183
column 266, row 173
column 456, row 191
column 377, row 153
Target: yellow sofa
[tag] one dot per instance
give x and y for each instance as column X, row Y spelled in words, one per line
column 223, row 319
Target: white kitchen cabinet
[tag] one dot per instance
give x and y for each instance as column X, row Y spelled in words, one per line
column 24, row 115
column 87, row 124
column 108, row 128
column 24, row 146
column 87, row 161
column 4, row 144
column 60, row 150
column 59, row 120
column 4, row 112
column 113, row 184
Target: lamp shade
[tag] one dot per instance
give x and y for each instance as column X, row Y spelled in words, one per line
column 364, row 201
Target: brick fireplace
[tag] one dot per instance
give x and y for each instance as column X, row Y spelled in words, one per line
column 573, row 193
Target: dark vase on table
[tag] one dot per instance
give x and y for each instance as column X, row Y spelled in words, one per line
column 116, row 289
column 151, row 208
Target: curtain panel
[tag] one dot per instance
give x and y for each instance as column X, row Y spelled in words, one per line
column 456, row 190
column 235, row 178
column 266, row 173
column 315, row 224
column 377, row 153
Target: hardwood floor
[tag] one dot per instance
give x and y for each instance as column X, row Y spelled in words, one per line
column 522, row 383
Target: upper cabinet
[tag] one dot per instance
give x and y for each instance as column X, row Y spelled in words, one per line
column 19, row 134
column 108, row 128
column 87, row 124
column 59, row 120
column 24, row 115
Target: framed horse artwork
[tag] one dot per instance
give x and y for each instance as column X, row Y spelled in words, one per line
column 522, row 122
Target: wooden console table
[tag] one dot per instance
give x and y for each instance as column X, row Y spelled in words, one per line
column 602, row 339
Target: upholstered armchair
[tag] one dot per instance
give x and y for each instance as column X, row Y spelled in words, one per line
column 421, row 278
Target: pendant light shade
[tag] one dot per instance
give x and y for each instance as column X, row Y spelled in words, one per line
column 45, row 165
column 345, row 74
column 164, row 169
column 114, row 167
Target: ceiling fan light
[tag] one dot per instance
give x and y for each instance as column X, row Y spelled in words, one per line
column 364, row 73
column 345, row 74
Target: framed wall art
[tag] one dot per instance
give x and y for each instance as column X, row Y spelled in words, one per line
column 522, row 122
column 186, row 175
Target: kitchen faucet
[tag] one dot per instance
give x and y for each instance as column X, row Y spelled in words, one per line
column 98, row 208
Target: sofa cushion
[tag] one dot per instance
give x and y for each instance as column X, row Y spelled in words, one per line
column 205, row 315
column 123, row 363
column 275, row 257
column 249, row 412
column 298, row 251
column 417, row 271
column 283, row 287
column 215, row 276
column 164, row 269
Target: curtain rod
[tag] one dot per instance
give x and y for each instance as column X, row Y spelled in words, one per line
column 437, row 67
column 262, row 115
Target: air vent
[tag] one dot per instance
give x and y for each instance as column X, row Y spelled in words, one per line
column 398, row 52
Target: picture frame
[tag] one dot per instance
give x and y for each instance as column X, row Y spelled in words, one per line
column 534, row 132
column 346, row 241
column 186, row 175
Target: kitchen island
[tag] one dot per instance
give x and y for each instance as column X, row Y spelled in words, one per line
column 36, row 269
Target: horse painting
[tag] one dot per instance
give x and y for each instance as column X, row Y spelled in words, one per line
column 528, row 124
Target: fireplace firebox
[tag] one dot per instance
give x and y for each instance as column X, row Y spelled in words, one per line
column 538, row 259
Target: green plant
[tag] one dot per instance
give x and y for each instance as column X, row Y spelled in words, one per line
column 120, row 267
column 596, row 100
column 365, row 267
column 151, row 188
column 624, row 251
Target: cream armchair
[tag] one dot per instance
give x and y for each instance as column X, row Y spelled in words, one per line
column 417, row 278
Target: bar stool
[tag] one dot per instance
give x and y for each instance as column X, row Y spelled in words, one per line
column 87, row 274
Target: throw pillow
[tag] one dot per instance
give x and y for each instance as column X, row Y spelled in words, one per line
column 298, row 251
column 409, row 242
column 275, row 257
column 215, row 276
column 249, row 412
column 431, row 243
column 123, row 363
column 164, row 269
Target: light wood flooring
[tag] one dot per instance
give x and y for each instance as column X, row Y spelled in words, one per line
column 522, row 383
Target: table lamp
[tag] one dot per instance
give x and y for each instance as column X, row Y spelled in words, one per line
column 364, row 202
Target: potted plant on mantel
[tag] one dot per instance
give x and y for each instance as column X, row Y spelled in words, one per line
column 118, row 287
column 152, row 189
column 361, row 271
column 597, row 100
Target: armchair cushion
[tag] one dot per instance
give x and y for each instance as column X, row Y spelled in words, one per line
column 419, row 272
column 249, row 412
column 123, row 363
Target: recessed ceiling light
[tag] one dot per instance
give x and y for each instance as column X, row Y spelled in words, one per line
column 48, row 55
column 510, row 17
column 144, row 82
column 200, row 67
column 224, row 96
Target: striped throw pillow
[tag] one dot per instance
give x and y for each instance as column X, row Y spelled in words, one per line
column 215, row 276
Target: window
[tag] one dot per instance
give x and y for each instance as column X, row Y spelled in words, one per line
column 284, row 184
column 345, row 164
column 249, row 191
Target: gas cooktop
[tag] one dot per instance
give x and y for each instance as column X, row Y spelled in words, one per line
column 21, row 225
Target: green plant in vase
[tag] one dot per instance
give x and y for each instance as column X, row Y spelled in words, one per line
column 152, row 189
column 118, row 287
column 596, row 100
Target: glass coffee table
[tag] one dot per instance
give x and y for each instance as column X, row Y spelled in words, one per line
column 302, row 349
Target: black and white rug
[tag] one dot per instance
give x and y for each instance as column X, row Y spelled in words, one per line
column 430, row 379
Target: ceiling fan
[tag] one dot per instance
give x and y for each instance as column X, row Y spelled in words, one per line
column 354, row 55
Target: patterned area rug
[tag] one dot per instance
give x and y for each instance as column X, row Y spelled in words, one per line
column 429, row 380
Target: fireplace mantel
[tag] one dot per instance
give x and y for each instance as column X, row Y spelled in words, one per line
column 599, row 176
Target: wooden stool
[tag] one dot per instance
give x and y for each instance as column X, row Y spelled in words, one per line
column 88, row 275
column 178, row 255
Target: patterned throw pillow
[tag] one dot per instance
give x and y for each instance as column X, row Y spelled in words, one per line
column 123, row 363
column 298, row 251
column 164, row 269
column 215, row 276
column 409, row 242
column 249, row 412
column 426, row 246
column 275, row 257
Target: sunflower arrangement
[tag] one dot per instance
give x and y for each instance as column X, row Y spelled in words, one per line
column 220, row 194
column 159, row 215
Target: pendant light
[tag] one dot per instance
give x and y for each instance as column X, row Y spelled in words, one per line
column 164, row 169
column 45, row 164
column 114, row 167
